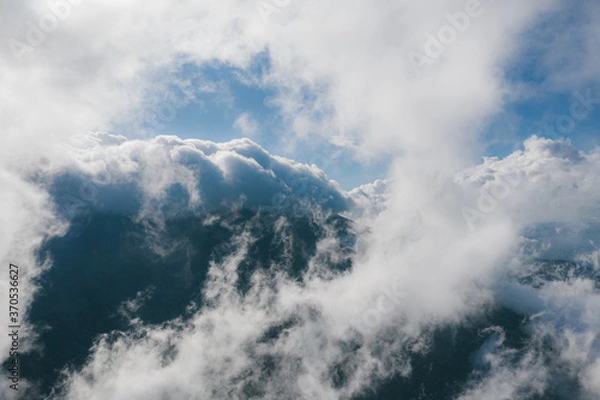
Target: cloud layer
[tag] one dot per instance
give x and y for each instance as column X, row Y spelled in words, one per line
column 419, row 268
column 440, row 239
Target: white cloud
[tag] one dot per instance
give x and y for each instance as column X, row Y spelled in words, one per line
column 120, row 55
column 509, row 381
column 237, row 173
column 247, row 124
column 418, row 267
column 548, row 181
column 339, row 71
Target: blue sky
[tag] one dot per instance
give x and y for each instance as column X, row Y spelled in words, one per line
column 540, row 116
column 211, row 114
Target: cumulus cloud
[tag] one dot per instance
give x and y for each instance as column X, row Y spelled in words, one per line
column 548, row 181
column 237, row 174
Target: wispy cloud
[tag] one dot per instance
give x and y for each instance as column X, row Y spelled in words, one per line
column 247, row 124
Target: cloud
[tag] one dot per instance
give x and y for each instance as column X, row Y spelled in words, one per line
column 168, row 175
column 562, row 350
column 340, row 70
column 417, row 268
column 26, row 223
column 548, row 181
column 246, row 124
column 509, row 381
column 348, row 76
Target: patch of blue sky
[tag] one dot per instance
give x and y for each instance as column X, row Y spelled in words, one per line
column 543, row 106
column 550, row 116
column 221, row 94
